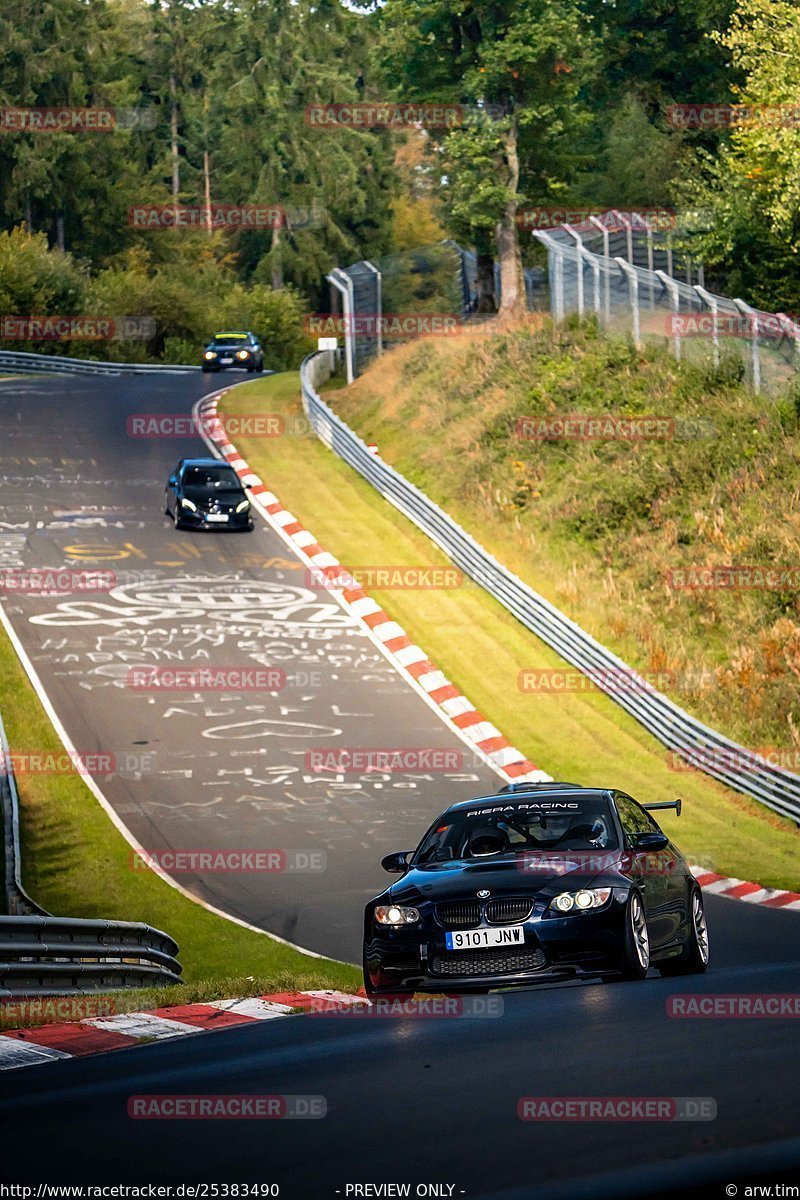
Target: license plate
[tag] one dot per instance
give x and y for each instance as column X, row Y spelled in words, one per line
column 470, row 939
column 217, row 517
column 226, row 362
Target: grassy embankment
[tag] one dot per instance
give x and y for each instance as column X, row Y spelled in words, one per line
column 583, row 737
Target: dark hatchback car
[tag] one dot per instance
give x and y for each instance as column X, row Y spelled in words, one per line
column 230, row 350
column 204, row 493
column 556, row 881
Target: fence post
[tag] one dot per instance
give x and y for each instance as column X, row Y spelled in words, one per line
column 578, row 264
column 711, row 302
column 378, row 303
column 633, row 291
column 346, row 291
column 606, row 254
column 755, row 355
column 675, row 296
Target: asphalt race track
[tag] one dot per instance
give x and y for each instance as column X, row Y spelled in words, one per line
column 423, row 1101
column 428, row 1100
column 222, row 770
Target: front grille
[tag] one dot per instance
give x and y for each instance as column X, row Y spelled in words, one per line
column 459, row 914
column 508, row 910
column 487, row 962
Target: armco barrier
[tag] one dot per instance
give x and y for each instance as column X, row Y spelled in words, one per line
column 45, row 955
column 715, row 754
column 59, row 364
column 62, row 955
column 17, row 900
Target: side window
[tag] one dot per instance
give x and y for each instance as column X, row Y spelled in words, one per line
column 633, row 817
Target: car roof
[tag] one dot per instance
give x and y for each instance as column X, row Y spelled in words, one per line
column 243, row 333
column 205, row 462
column 541, row 792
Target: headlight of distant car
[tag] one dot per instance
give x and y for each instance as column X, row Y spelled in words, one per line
column 210, row 354
column 242, row 353
column 581, row 901
column 190, row 504
column 243, row 507
column 393, row 914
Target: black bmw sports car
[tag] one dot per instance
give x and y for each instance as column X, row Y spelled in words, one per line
column 204, row 493
column 230, row 350
column 536, row 883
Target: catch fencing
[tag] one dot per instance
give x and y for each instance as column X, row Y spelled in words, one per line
column 692, row 741
column 636, row 278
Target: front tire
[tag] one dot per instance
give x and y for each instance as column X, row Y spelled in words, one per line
column 694, row 960
column 637, row 940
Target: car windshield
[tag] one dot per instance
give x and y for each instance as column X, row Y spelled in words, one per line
column 230, row 343
column 518, row 826
column 211, row 477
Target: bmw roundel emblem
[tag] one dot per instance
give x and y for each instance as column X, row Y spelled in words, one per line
column 483, row 893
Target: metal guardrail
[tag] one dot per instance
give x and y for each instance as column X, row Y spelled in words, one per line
column 18, row 902
column 62, row 955
column 46, row 955
column 59, row 364
column 694, row 742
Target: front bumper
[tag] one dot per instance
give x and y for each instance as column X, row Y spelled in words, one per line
column 200, row 520
column 577, row 945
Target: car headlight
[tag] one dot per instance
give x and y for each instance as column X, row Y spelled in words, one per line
column 190, row 504
column 243, row 507
column 582, row 901
column 209, row 354
column 242, row 353
column 394, row 914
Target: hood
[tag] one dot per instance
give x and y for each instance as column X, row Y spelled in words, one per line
column 509, row 875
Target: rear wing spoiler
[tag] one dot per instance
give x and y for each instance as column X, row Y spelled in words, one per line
column 676, row 804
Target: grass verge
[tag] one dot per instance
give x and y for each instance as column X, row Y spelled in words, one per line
column 581, row 737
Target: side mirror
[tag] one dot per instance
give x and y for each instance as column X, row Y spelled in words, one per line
column 650, row 843
column 172, row 481
column 396, row 864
